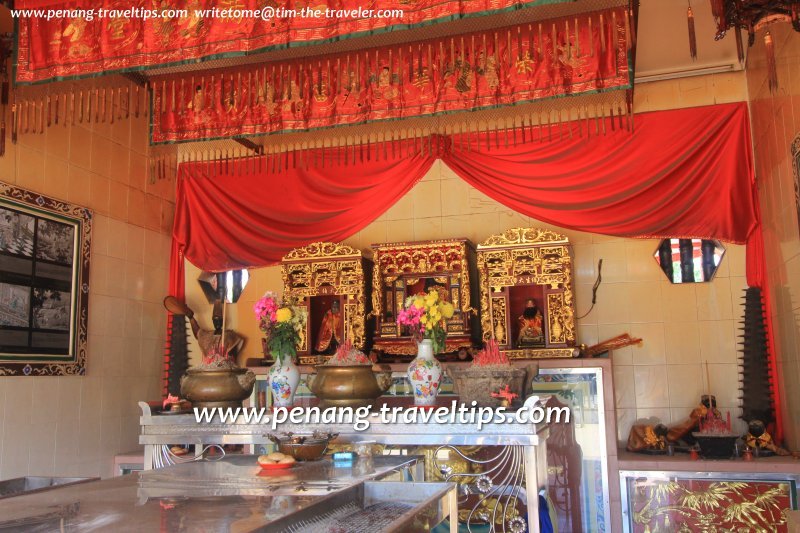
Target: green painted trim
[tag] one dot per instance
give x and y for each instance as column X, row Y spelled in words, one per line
column 299, row 44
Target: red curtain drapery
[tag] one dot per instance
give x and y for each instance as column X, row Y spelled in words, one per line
column 681, row 173
column 248, row 219
column 73, row 43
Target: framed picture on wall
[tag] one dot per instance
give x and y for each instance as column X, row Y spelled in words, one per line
column 44, row 284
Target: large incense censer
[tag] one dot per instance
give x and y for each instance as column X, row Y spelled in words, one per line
column 348, row 386
column 224, row 387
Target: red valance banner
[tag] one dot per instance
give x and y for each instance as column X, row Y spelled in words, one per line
column 76, row 39
column 515, row 65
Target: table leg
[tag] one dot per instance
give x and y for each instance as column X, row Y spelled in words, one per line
column 148, row 456
column 419, row 470
column 453, row 504
column 532, row 485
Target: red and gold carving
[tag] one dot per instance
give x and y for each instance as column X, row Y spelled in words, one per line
column 540, row 260
column 402, row 269
column 329, row 269
column 694, row 505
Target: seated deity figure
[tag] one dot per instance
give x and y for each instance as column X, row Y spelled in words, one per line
column 530, row 326
column 210, row 340
column 328, row 338
column 647, row 436
column 683, row 430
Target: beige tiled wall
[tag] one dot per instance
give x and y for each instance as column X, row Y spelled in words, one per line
column 775, row 123
column 75, row 425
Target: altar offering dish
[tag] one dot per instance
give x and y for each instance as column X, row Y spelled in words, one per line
column 303, row 447
column 275, row 461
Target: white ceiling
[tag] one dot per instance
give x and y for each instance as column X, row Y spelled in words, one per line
column 663, row 41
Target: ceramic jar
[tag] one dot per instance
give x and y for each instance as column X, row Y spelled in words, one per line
column 425, row 374
column 284, row 376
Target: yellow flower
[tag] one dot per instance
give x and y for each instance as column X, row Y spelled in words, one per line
column 429, row 325
column 284, row 314
column 435, row 316
column 431, row 298
column 447, row 310
column 423, row 319
column 419, row 303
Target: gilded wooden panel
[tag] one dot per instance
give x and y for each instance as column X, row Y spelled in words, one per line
column 527, row 257
column 326, row 268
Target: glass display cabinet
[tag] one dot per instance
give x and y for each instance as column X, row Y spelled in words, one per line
column 330, row 280
column 577, row 452
column 527, row 303
column 406, row 269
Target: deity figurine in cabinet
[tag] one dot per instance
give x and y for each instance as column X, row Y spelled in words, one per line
column 330, row 280
column 531, row 332
column 526, row 296
column 329, row 336
column 410, row 268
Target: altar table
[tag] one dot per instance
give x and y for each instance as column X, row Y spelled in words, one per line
column 159, row 431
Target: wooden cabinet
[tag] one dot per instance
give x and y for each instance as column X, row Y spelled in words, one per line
column 525, row 266
column 329, row 278
column 409, row 268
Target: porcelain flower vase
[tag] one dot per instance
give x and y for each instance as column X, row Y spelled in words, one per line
column 425, row 374
column 284, row 376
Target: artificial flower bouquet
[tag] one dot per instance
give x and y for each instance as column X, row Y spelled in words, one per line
column 426, row 317
column 283, row 323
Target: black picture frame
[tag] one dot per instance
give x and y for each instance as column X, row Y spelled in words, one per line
column 45, row 248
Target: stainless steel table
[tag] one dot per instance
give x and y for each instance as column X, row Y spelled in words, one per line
column 524, row 444
column 229, row 494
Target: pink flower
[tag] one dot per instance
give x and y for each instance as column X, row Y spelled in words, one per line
column 266, row 307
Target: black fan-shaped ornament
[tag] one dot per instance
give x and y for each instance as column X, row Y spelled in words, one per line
column 757, row 400
column 178, row 353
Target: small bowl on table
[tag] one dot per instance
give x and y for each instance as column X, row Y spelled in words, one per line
column 303, row 447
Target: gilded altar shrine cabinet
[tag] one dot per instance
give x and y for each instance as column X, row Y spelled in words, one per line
column 526, row 295
column 410, row 268
column 330, row 280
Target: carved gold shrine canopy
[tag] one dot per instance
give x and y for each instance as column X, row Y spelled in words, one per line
column 208, row 77
column 519, row 265
column 317, row 275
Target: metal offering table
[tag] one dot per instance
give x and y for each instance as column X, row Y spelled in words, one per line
column 232, row 493
column 523, row 449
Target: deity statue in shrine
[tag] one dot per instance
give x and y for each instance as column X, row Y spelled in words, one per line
column 685, row 428
column 647, row 437
column 758, row 439
column 210, row 341
column 530, row 326
column 431, row 283
column 328, row 338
